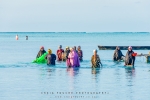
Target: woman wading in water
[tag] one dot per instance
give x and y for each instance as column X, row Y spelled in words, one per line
column 95, row 60
column 130, row 57
column 73, row 59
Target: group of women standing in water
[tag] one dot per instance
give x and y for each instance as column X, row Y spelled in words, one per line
column 73, row 56
column 70, row 55
column 129, row 58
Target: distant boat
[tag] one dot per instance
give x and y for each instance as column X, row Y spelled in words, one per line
column 124, row 47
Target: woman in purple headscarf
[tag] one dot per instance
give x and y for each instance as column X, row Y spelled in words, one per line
column 73, row 59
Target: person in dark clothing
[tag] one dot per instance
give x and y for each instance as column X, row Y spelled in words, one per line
column 117, row 54
column 67, row 59
column 67, row 52
column 50, row 58
column 129, row 59
column 75, row 49
column 41, row 52
column 80, row 53
column 26, row 37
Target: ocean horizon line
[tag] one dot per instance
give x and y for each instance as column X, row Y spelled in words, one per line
column 74, row 32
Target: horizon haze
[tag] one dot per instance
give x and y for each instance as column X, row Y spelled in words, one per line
column 74, row 16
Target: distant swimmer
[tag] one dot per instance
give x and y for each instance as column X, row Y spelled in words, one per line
column 130, row 57
column 74, row 59
column 60, row 52
column 80, row 53
column 26, row 37
column 17, row 37
column 50, row 58
column 118, row 54
column 41, row 52
column 95, row 60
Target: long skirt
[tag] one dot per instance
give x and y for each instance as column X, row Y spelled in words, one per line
column 68, row 63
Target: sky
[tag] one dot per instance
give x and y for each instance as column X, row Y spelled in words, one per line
column 74, row 15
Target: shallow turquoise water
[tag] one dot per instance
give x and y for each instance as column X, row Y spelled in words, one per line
column 21, row 79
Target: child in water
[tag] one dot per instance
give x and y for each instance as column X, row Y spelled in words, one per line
column 95, row 60
column 50, row 58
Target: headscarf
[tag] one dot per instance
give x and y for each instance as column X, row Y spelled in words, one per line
column 130, row 47
column 95, row 56
column 94, row 51
column 71, row 49
column 50, row 51
column 60, row 46
column 117, row 47
column 42, row 47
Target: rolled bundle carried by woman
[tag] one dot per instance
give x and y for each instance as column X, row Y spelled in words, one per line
column 41, row 59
